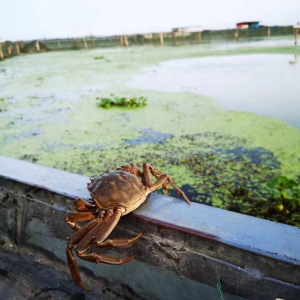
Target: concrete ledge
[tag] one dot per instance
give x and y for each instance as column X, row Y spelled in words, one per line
column 181, row 253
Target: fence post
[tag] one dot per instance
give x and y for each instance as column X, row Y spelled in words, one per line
column 37, row 45
column 84, row 43
column 174, row 37
column 9, row 50
column 1, row 53
column 58, row 43
column 236, row 35
column 121, row 41
column 135, row 40
column 269, row 32
column 296, row 35
column 199, row 36
column 17, row 49
column 161, row 37
column 125, row 40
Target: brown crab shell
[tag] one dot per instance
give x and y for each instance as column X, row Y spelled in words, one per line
column 115, row 188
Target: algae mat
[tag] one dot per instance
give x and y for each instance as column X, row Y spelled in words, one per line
column 223, row 158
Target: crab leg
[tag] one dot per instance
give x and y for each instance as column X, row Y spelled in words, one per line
column 179, row 191
column 147, row 177
column 83, row 216
column 74, row 268
column 158, row 183
column 95, row 232
column 107, row 228
column 77, row 236
column 89, row 238
column 100, row 232
column 80, row 216
column 74, row 239
column 163, row 178
column 82, row 205
column 119, row 242
column 73, row 225
column 101, row 258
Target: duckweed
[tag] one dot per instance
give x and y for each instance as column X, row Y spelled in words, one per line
column 218, row 157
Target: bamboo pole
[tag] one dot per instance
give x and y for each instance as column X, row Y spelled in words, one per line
column 1, row 52
column 125, row 40
column 121, row 41
column 161, row 37
column 84, row 43
column 37, row 45
column 17, row 49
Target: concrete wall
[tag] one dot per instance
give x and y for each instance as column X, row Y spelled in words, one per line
column 183, row 249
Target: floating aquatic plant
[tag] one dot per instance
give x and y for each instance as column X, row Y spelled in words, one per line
column 285, row 199
column 123, row 101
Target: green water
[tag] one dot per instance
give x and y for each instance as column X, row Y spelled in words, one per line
column 50, row 117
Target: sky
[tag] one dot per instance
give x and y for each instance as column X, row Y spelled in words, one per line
column 38, row 19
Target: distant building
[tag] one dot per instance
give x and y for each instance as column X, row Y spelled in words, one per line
column 147, row 35
column 187, row 29
column 248, row 25
column 297, row 26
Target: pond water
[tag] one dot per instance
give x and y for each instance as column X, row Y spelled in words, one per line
column 50, row 115
column 265, row 84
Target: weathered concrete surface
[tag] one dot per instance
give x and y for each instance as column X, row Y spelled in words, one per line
column 182, row 247
column 27, row 276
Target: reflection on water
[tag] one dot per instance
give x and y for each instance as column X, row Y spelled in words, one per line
column 266, row 84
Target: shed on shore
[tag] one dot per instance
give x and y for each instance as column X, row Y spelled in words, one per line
column 248, row 25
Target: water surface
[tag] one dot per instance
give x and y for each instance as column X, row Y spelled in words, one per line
column 265, row 84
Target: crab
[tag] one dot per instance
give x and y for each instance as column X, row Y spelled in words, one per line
column 115, row 193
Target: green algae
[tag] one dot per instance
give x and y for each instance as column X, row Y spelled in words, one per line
column 218, row 157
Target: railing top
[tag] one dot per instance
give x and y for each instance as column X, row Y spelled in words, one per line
column 264, row 237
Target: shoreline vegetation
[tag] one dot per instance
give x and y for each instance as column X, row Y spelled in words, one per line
column 219, row 157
